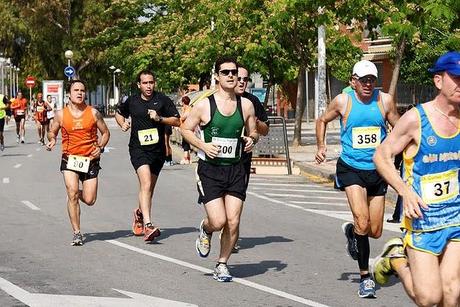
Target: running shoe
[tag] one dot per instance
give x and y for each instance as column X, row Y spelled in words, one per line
column 381, row 268
column 367, row 288
column 22, row 140
column 151, row 232
column 77, row 239
column 352, row 248
column 17, row 139
column 2, row 147
column 221, row 273
column 138, row 223
column 203, row 242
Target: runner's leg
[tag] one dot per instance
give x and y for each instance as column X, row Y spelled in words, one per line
column 73, row 206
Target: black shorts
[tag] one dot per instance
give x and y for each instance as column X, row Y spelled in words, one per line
column 8, row 112
column 2, row 124
column 140, row 157
column 185, row 145
column 18, row 118
column 93, row 170
column 168, row 130
column 368, row 179
column 216, row 181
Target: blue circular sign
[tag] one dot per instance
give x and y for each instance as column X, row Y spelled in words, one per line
column 69, row 71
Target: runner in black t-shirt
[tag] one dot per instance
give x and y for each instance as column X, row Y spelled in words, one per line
column 150, row 111
column 261, row 123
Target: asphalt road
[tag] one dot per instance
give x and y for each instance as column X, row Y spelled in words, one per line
column 292, row 248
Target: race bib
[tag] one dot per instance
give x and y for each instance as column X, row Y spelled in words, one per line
column 40, row 109
column 148, row 136
column 227, row 147
column 78, row 163
column 50, row 114
column 366, row 137
column 439, row 187
column 20, row 112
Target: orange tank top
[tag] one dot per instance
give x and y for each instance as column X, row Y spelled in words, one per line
column 79, row 135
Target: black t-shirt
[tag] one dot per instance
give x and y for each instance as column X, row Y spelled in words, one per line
column 258, row 107
column 260, row 115
column 137, row 108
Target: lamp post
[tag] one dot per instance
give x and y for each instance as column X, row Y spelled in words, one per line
column 2, row 76
column 17, row 78
column 68, row 55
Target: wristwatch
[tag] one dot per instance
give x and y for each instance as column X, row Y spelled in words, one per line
column 160, row 119
column 254, row 140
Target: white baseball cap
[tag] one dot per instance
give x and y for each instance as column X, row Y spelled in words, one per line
column 365, row 68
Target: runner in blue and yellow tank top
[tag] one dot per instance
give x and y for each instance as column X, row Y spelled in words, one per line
column 427, row 258
column 221, row 178
column 363, row 114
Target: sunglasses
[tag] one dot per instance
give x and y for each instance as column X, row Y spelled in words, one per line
column 366, row 80
column 226, row 72
column 243, row 79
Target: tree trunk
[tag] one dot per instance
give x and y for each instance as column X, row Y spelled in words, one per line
column 299, row 107
column 398, row 58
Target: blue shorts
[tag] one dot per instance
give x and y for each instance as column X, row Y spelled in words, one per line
column 433, row 242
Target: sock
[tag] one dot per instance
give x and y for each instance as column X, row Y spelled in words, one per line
column 363, row 251
column 219, row 262
column 169, row 158
column 364, row 276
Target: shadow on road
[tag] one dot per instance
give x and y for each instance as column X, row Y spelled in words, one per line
column 253, row 269
column 354, row 278
column 102, row 236
column 167, row 232
column 250, row 242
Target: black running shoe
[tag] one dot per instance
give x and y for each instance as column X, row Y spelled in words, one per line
column 352, row 248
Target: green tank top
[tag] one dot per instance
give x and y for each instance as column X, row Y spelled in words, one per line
column 224, row 131
column 2, row 105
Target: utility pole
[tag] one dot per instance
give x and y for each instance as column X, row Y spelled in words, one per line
column 321, row 93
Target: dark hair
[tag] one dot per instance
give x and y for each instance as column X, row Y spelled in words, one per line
column 186, row 100
column 145, row 72
column 222, row 60
column 72, row 82
column 238, row 65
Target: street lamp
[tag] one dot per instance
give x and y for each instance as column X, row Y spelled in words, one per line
column 17, row 78
column 68, row 55
column 2, row 60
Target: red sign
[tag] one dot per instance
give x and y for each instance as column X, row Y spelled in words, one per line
column 30, row 82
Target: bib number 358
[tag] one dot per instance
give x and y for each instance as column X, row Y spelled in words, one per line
column 366, row 137
column 78, row 163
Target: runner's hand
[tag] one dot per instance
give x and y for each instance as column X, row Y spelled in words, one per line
column 154, row 115
column 248, row 144
column 96, row 153
column 412, row 203
column 50, row 144
column 320, row 154
column 125, row 126
column 211, row 150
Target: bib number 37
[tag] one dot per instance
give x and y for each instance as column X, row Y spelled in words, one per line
column 439, row 187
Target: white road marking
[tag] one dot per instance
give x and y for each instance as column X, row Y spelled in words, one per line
column 341, row 215
column 6, row 180
column 305, row 190
column 17, row 165
column 318, row 203
column 208, row 271
column 29, row 155
column 30, row 205
column 56, row 300
column 303, row 196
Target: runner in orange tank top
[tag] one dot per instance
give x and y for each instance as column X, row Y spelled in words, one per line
column 81, row 150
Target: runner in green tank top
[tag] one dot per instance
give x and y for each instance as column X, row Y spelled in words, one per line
column 4, row 105
column 221, row 176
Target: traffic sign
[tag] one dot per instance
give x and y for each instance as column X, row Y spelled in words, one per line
column 30, row 82
column 69, row 71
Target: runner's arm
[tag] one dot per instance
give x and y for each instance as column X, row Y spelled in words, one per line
column 392, row 113
column 105, row 135
column 250, row 125
column 54, row 130
column 404, row 133
column 193, row 120
column 335, row 109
